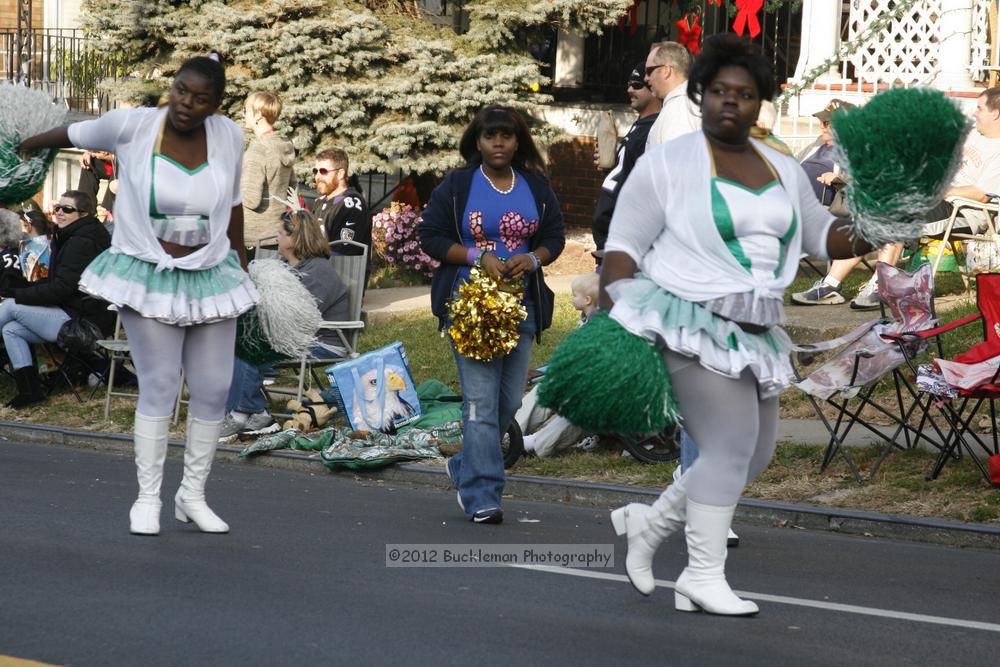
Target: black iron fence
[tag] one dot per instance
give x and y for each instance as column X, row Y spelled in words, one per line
column 609, row 57
column 64, row 63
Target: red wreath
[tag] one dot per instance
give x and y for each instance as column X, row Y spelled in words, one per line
column 746, row 17
column 689, row 32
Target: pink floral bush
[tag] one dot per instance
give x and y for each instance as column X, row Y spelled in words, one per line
column 394, row 232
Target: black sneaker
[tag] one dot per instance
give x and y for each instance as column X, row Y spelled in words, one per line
column 488, row 515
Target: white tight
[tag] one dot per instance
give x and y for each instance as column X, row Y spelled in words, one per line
column 734, row 428
column 159, row 351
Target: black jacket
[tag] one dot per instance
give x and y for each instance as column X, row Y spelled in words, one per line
column 441, row 227
column 73, row 248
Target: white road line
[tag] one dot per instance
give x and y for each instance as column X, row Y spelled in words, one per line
column 782, row 599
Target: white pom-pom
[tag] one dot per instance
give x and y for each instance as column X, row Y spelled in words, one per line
column 24, row 112
column 287, row 311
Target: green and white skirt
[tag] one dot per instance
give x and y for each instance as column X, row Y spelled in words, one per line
column 689, row 328
column 177, row 296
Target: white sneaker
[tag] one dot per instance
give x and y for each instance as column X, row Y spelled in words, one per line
column 260, row 423
column 232, row 425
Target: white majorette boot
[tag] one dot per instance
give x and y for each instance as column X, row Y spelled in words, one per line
column 702, row 585
column 150, row 452
column 189, row 503
column 647, row 526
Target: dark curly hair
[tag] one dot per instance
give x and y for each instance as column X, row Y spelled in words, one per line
column 496, row 118
column 729, row 50
column 210, row 69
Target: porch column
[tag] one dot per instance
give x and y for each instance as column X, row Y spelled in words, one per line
column 955, row 48
column 569, row 61
column 820, row 38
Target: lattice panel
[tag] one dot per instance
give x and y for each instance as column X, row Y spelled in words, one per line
column 905, row 52
column 981, row 39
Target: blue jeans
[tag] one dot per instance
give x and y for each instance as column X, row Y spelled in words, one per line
column 492, row 391
column 689, row 451
column 24, row 325
column 246, row 392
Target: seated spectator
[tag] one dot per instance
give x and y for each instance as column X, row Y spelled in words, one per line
column 817, row 161
column 978, row 176
column 302, row 244
column 11, row 236
column 545, row 432
column 817, row 158
column 35, row 313
column 35, row 249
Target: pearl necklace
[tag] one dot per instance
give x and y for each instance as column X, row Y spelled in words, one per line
column 513, row 181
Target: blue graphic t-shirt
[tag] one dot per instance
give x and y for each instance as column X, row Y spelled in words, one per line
column 497, row 223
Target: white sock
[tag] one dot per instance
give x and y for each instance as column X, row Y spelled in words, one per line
column 831, row 281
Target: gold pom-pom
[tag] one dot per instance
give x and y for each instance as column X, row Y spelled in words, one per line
column 485, row 317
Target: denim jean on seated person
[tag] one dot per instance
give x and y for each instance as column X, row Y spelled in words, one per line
column 689, row 451
column 23, row 326
column 492, row 391
column 246, row 393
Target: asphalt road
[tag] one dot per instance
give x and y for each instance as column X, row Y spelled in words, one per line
column 301, row 580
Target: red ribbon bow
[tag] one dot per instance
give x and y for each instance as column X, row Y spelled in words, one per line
column 747, row 17
column 689, row 33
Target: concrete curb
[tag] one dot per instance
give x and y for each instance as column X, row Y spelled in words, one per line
column 523, row 487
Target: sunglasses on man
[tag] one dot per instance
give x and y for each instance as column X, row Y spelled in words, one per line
column 62, row 208
column 637, row 85
column 323, row 171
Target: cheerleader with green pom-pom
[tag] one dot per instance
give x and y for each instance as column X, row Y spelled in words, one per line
column 704, row 241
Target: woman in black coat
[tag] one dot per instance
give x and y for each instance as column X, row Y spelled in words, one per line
column 36, row 313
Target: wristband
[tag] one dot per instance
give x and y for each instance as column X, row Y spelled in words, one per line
column 473, row 256
column 535, row 261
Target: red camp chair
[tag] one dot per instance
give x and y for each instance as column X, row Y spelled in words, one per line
column 962, row 409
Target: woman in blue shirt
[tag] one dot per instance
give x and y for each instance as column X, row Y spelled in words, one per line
column 498, row 213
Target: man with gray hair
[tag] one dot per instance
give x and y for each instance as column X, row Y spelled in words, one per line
column 667, row 67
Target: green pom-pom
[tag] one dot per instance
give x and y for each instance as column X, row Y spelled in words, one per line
column 899, row 152
column 606, row 380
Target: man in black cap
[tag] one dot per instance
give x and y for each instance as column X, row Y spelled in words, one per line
column 642, row 100
column 817, row 158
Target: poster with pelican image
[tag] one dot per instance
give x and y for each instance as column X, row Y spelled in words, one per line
column 376, row 391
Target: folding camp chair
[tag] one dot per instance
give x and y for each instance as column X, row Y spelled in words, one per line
column 351, row 269
column 117, row 351
column 985, row 213
column 979, row 364
column 847, row 380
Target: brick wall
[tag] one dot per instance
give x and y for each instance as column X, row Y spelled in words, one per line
column 575, row 180
column 8, row 14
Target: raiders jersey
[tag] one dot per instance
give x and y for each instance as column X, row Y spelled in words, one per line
column 345, row 218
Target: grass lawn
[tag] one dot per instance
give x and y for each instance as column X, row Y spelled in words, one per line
column 959, row 494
